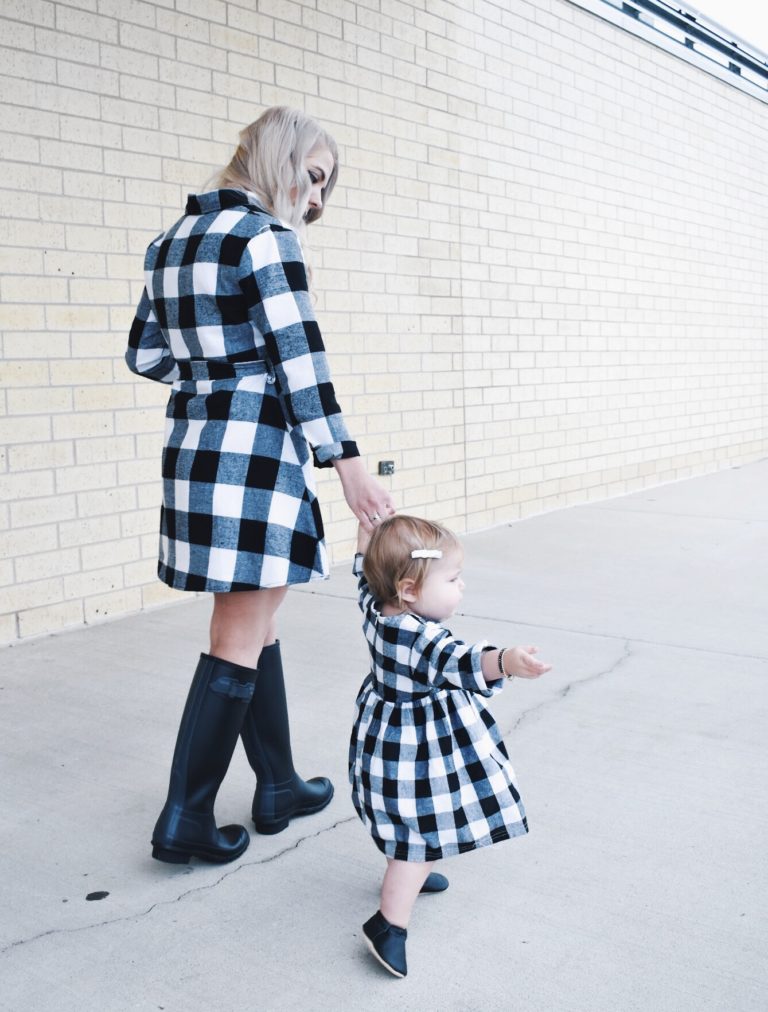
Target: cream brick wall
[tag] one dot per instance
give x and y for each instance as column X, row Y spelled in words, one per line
column 542, row 279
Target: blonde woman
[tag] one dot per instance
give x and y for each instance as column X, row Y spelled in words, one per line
column 226, row 319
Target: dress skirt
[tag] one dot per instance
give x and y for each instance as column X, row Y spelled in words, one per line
column 239, row 505
column 431, row 777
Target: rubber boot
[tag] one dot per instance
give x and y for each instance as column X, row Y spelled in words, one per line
column 281, row 794
column 213, row 715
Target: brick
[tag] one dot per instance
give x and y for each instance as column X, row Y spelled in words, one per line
column 200, row 55
column 86, row 24
column 185, row 123
column 36, row 400
column 155, row 592
column 105, row 606
column 115, row 552
column 80, row 425
column 50, row 618
column 78, row 478
column 46, row 565
column 16, row 35
column 140, row 522
column 29, row 66
column 147, row 219
column 24, row 596
column 212, row 10
column 95, row 79
column 185, row 76
column 31, row 289
column 91, row 451
column 35, row 456
column 127, row 113
column 146, row 40
column 108, row 500
column 97, row 581
column 183, row 26
column 76, row 318
column 44, row 510
column 129, row 61
column 78, row 130
column 90, row 530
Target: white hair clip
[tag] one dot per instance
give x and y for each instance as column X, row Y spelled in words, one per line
column 426, row 553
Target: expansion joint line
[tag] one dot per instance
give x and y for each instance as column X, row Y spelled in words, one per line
column 182, row 896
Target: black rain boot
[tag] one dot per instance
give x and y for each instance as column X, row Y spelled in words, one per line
column 213, row 715
column 281, row 794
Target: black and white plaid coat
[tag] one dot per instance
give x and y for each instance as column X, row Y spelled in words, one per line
column 226, row 319
column 430, row 774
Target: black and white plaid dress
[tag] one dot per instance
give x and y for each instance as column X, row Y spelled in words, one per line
column 226, row 318
column 430, row 774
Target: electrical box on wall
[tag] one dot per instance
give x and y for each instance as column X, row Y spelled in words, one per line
column 386, row 467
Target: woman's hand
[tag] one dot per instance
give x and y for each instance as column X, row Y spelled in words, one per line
column 368, row 500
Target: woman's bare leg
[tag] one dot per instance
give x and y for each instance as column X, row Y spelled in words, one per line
column 243, row 622
column 402, row 883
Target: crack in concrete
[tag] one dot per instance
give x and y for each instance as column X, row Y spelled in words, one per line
column 182, row 896
column 627, row 653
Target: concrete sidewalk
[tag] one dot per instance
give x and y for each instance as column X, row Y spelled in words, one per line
column 641, row 758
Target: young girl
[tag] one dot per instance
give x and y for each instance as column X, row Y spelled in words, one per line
column 430, row 774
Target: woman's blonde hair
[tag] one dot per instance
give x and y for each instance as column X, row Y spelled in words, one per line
column 269, row 161
column 388, row 563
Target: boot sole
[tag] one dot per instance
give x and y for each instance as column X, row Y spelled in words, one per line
column 271, row 828
column 185, row 856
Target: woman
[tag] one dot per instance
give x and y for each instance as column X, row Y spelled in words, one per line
column 226, row 318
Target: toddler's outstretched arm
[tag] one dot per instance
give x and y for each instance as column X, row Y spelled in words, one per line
column 516, row 661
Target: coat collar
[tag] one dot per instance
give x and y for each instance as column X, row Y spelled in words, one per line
column 219, row 200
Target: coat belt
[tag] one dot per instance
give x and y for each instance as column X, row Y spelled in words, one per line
column 213, row 369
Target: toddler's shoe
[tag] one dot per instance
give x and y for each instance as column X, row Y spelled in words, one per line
column 387, row 942
column 435, row 883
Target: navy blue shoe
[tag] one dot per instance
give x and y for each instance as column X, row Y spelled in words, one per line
column 387, row 943
column 435, row 883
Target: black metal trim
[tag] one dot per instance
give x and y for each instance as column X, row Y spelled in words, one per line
column 687, row 23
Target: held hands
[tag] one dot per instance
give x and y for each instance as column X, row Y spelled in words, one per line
column 521, row 662
column 368, row 500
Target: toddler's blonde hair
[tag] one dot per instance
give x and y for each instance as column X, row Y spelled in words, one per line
column 388, row 563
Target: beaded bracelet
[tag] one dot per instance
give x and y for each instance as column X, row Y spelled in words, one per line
column 501, row 664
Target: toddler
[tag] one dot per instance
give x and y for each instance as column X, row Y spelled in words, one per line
column 430, row 774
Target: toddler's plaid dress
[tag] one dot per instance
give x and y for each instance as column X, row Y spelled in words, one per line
column 226, row 318
column 430, row 774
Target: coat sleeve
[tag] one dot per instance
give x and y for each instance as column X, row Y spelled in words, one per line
column 451, row 662
column 148, row 353
column 274, row 282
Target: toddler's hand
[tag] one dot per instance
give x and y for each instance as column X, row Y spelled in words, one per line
column 521, row 662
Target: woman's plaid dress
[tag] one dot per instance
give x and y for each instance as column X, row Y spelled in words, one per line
column 226, row 319
column 430, row 774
